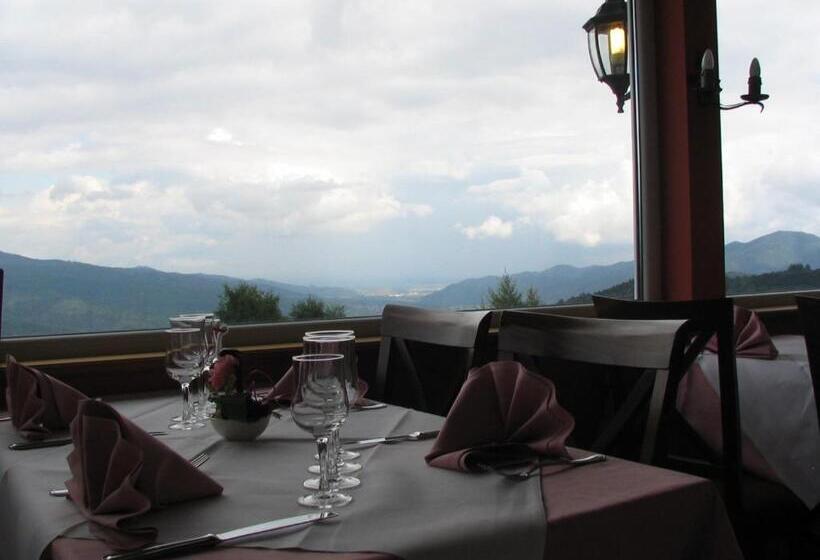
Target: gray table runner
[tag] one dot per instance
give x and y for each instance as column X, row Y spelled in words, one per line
column 403, row 507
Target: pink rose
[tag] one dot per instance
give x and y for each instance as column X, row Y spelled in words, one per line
column 223, row 373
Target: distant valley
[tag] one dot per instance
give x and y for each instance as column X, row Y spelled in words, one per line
column 55, row 296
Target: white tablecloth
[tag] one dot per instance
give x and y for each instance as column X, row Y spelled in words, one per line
column 777, row 413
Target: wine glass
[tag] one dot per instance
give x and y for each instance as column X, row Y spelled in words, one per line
column 320, row 343
column 319, row 406
column 183, row 362
column 199, row 387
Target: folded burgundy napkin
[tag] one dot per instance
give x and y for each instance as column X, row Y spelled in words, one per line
column 38, row 403
column 119, row 472
column 751, row 338
column 502, row 414
column 285, row 388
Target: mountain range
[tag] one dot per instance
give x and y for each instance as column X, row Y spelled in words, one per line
column 55, row 296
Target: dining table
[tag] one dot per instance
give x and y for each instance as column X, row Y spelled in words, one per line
column 778, row 416
column 404, row 508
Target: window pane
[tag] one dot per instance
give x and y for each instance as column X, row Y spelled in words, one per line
column 771, row 167
column 360, row 152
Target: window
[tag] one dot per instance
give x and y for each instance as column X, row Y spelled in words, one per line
column 354, row 152
column 770, row 164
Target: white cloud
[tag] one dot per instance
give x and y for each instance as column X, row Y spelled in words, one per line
column 493, row 226
column 248, row 132
column 587, row 213
column 221, row 136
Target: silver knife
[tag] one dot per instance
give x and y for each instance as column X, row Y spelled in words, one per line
column 39, row 444
column 211, row 540
column 412, row 436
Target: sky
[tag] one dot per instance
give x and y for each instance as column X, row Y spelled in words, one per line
column 361, row 143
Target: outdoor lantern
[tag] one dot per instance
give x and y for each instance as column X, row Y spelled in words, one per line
column 607, row 41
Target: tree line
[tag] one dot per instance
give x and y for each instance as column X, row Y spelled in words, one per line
column 247, row 303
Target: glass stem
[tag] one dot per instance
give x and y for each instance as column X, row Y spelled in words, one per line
column 332, row 454
column 186, row 402
column 322, row 447
column 203, row 393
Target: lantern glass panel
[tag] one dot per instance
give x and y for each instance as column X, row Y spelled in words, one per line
column 593, row 54
column 603, row 49
column 617, row 48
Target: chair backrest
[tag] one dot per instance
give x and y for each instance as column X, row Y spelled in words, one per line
column 645, row 345
column 1, row 303
column 405, row 329
column 810, row 320
column 706, row 318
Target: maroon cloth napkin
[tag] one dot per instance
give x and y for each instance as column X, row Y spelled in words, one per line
column 285, row 388
column 119, row 472
column 38, row 403
column 503, row 414
column 751, row 338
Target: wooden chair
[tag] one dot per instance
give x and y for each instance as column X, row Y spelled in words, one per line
column 809, row 308
column 706, row 318
column 452, row 337
column 657, row 347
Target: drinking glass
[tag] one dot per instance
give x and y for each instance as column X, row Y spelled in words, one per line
column 320, row 405
column 183, row 362
column 199, row 387
column 321, row 343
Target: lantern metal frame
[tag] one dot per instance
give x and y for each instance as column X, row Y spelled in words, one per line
column 611, row 14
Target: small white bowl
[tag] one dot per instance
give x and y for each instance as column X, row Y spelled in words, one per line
column 237, row 430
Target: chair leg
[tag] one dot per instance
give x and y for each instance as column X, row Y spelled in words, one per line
column 650, row 452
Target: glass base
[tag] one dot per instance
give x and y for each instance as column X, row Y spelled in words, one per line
column 343, row 483
column 192, row 425
column 346, row 455
column 346, row 468
column 327, row 500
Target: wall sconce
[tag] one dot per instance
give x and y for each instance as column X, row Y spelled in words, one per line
column 709, row 85
column 607, row 42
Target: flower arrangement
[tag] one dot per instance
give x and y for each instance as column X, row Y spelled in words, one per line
column 234, row 396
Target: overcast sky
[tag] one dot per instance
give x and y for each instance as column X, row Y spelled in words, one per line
column 361, row 143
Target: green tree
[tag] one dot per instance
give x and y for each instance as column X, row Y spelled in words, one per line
column 505, row 294
column 246, row 303
column 313, row 308
column 533, row 299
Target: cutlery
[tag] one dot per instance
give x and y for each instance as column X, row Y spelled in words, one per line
column 369, row 405
column 24, row 445
column 412, row 436
column 212, row 540
column 197, row 460
column 531, row 469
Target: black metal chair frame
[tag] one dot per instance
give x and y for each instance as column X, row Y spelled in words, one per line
column 655, row 346
column 465, row 330
column 809, row 308
column 1, row 303
column 705, row 318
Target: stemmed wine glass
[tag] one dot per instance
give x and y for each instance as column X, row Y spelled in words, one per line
column 183, row 362
column 318, row 342
column 319, row 406
column 201, row 321
column 347, row 342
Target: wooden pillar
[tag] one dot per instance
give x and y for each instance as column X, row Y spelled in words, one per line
column 680, row 190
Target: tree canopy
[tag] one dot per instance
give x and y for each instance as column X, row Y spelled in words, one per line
column 313, row 308
column 246, row 303
column 506, row 295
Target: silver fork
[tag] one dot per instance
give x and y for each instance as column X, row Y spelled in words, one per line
column 524, row 474
column 197, row 460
